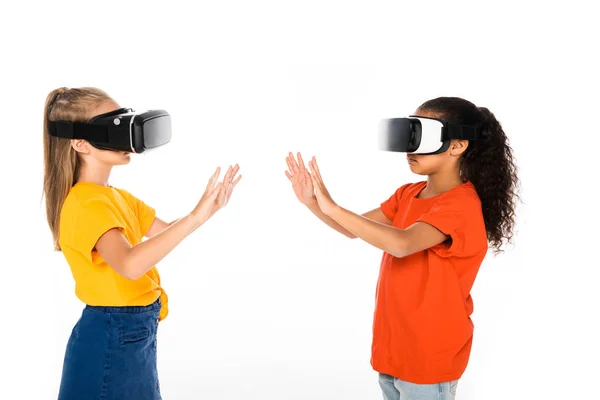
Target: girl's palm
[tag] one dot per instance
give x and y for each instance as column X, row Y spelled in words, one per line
column 303, row 186
column 227, row 187
column 300, row 178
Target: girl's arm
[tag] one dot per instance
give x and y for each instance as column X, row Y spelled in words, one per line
column 304, row 191
column 158, row 225
column 374, row 215
column 398, row 242
column 132, row 262
column 395, row 241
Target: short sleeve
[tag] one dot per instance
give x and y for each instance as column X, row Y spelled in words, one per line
column 94, row 219
column 145, row 213
column 461, row 219
column 390, row 206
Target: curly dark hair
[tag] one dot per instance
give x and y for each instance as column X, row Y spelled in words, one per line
column 488, row 163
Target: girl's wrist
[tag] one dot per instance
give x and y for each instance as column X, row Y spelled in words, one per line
column 312, row 202
column 196, row 219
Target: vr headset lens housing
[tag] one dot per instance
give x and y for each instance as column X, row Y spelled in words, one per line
column 120, row 130
column 421, row 135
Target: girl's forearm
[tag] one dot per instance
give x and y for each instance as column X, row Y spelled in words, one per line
column 316, row 210
column 145, row 255
column 384, row 237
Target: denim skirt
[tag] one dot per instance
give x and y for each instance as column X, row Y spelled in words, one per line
column 111, row 355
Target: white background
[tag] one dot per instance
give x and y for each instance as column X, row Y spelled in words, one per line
column 266, row 302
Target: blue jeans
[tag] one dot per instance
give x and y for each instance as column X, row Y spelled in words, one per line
column 111, row 354
column 395, row 389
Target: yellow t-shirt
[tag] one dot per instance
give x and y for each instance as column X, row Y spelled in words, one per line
column 87, row 213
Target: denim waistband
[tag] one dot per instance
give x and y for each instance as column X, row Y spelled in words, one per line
column 126, row 309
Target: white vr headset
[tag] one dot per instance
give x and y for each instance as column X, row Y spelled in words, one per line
column 420, row 135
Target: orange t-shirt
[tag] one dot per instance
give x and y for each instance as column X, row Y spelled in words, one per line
column 422, row 330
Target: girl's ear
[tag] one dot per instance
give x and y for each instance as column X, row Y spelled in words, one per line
column 80, row 145
column 457, row 147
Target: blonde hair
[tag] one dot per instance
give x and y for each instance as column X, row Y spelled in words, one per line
column 61, row 163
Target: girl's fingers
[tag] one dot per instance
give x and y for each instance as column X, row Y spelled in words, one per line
column 214, row 176
column 213, row 180
column 317, row 186
column 295, row 167
column 236, row 168
column 234, row 172
column 313, row 170
column 289, row 163
column 288, row 175
column 317, row 170
column 227, row 177
column 222, row 190
column 301, row 162
column 215, row 192
column 225, row 197
column 307, row 175
column 237, row 180
column 314, row 160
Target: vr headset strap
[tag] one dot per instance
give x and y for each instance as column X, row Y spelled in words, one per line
column 461, row 132
column 79, row 130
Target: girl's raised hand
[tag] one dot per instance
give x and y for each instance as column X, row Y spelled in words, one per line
column 203, row 210
column 300, row 178
column 326, row 203
column 228, row 185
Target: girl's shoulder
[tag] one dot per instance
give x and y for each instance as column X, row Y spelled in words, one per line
column 89, row 197
column 414, row 187
column 466, row 191
column 83, row 192
column 76, row 198
column 461, row 197
column 410, row 190
column 465, row 194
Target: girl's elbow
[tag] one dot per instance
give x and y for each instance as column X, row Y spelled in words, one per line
column 400, row 251
column 131, row 274
column 398, row 254
column 129, row 269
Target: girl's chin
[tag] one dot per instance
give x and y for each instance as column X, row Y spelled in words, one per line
column 415, row 169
